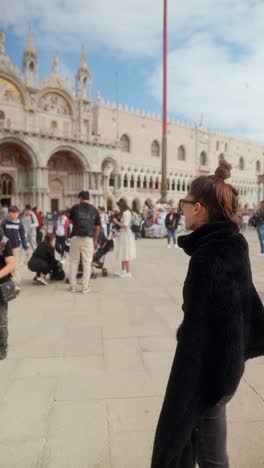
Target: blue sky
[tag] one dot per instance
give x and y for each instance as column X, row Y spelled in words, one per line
column 106, row 68
column 216, row 54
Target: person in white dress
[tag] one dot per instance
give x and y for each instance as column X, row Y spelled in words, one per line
column 126, row 245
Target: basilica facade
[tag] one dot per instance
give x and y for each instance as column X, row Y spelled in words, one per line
column 56, row 141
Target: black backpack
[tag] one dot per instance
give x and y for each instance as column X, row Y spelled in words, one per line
column 57, row 273
column 83, row 222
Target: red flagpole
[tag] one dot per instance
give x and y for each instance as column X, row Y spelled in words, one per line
column 164, row 123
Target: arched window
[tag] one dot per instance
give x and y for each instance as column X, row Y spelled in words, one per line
column 178, row 186
column 157, row 184
column 125, row 144
column 168, row 184
column 111, row 181
column 221, row 157
column 258, row 166
column 125, row 181
column 132, row 182
column 173, row 185
column 183, row 186
column 138, row 182
column 151, row 183
column 145, row 185
column 4, row 187
column 2, row 115
column 181, row 153
column 203, row 158
column 241, row 164
column 155, row 148
column 6, row 184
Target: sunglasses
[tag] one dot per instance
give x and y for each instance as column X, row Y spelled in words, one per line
column 183, row 201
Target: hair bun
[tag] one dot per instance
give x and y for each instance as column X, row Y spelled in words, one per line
column 224, row 170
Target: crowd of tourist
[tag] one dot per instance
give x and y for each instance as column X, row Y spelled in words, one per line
column 29, row 236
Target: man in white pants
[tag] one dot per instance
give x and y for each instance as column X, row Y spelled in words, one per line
column 86, row 222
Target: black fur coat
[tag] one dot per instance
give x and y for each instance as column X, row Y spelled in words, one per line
column 223, row 326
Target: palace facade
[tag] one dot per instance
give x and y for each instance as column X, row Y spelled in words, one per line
column 55, row 142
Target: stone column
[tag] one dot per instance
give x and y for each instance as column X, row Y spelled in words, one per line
column 86, row 180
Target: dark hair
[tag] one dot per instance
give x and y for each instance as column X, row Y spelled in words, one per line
column 28, row 207
column 48, row 238
column 84, row 194
column 122, row 205
column 220, row 198
column 13, row 209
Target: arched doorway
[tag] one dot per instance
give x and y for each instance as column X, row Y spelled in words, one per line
column 16, row 175
column 66, row 179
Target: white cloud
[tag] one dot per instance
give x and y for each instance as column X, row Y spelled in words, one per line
column 216, row 62
column 204, row 78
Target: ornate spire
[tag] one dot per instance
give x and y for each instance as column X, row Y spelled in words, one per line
column 83, row 77
column 5, row 63
column 55, row 66
column 83, row 65
column 30, row 49
column 30, row 61
column 2, row 42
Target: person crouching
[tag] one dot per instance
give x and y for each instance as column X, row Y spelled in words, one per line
column 43, row 260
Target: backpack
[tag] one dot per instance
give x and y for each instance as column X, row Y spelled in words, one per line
column 135, row 222
column 57, row 273
column 83, row 221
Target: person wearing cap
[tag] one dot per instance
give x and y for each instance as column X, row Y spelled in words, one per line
column 14, row 231
column 6, row 268
column 86, row 223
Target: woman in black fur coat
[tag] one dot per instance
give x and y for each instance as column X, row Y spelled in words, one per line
column 223, row 326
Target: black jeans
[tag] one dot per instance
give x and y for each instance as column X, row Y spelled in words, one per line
column 210, row 437
column 3, row 328
column 60, row 245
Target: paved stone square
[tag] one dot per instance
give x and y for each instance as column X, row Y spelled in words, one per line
column 86, row 374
